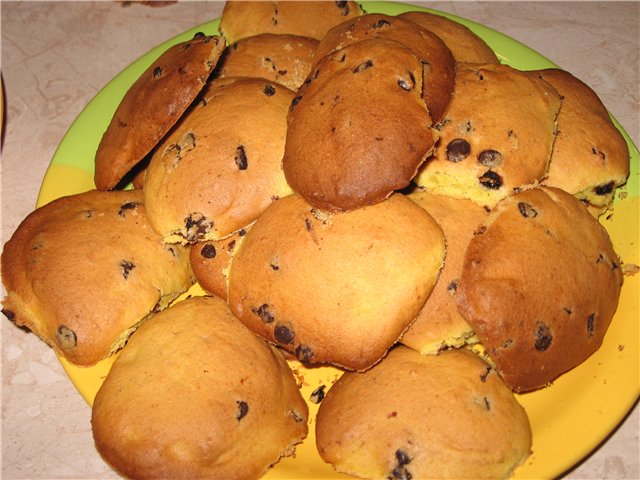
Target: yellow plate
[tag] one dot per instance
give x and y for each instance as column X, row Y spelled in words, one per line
column 568, row 419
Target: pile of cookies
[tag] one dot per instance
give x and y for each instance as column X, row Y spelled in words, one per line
column 371, row 192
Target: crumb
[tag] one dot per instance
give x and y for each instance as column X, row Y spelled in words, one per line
column 629, row 269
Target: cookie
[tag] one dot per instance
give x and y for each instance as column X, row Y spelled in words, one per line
column 196, row 395
column 423, row 416
column 222, row 164
column 590, row 157
column 539, row 285
column 358, row 129
column 464, row 44
column 437, row 60
column 335, row 288
column 497, row 136
column 211, row 260
column 285, row 59
column 241, row 19
column 83, row 271
column 152, row 105
column 439, row 325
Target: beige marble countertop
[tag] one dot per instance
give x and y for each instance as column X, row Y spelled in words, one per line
column 57, row 55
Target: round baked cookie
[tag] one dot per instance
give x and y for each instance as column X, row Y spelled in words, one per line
column 439, row 325
column 285, row 59
column 439, row 65
column 211, row 260
column 497, row 136
column 83, row 271
column 423, row 416
column 313, row 19
column 464, row 44
column 590, row 157
column 336, row 288
column 196, row 395
column 358, row 129
column 222, row 164
column 152, row 105
column 539, row 285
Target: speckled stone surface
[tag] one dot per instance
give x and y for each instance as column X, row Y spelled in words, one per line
column 57, row 55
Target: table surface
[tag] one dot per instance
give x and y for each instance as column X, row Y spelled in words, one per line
column 57, row 55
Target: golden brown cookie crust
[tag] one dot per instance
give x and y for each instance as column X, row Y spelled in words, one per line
column 152, row 105
column 466, row 46
column 359, row 128
column 423, row 416
column 84, row 270
column 241, row 19
column 438, row 63
column 336, row 288
column 590, row 157
column 196, row 395
column 439, row 325
column 222, row 164
column 539, row 285
column 496, row 137
column 285, row 59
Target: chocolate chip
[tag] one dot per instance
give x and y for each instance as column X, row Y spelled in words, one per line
column 66, row 337
column 527, row 210
column 10, row 314
column 543, row 337
column 507, row 343
column 208, row 251
column 381, row 23
column 490, row 158
column 196, row 226
column 264, row 313
column 199, row 35
column 295, row 101
column 452, row 287
column 241, row 158
column 317, row 395
column 485, row 374
column 284, row 333
column 568, row 310
column 591, row 324
column 157, row 72
column 274, row 265
column 407, row 84
column 243, row 409
column 458, row 149
column 400, row 472
column 296, row 416
column 490, row 180
column 269, row 90
column 126, row 268
column 304, row 353
column 127, row 206
column 363, row 66
column 242, row 232
column 344, row 6
column 605, row 189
